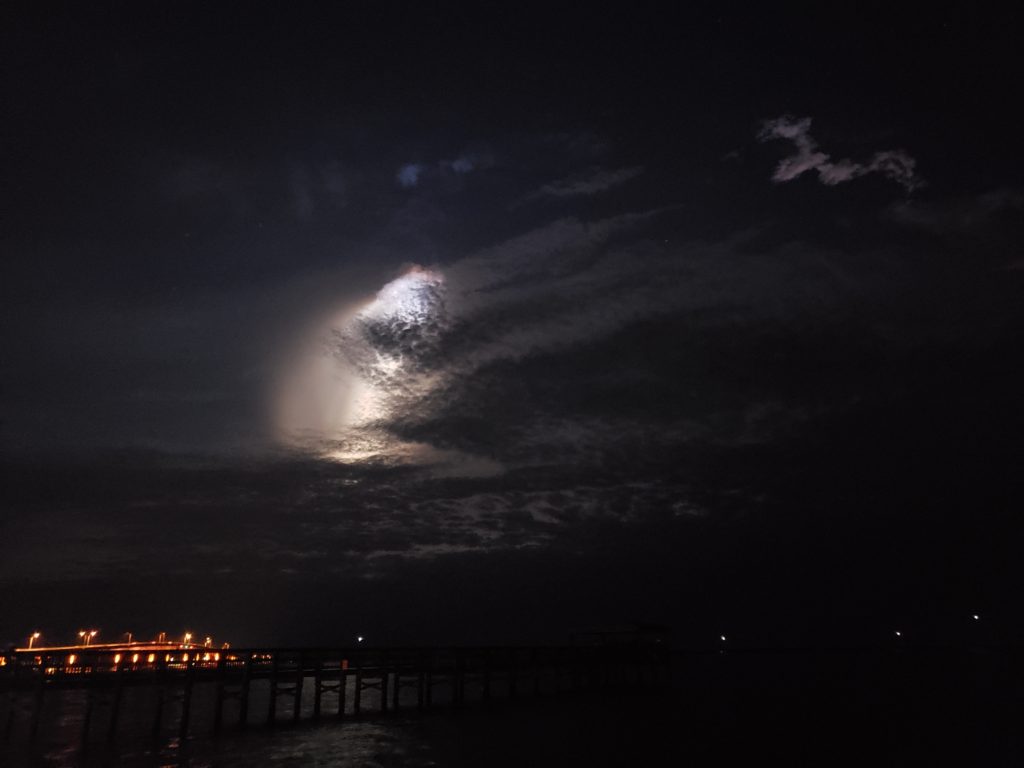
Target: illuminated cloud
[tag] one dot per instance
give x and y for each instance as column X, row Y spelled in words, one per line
column 373, row 367
column 408, row 175
column 368, row 357
column 394, row 380
column 895, row 165
column 413, row 174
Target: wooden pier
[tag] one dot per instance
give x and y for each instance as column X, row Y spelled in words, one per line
column 295, row 684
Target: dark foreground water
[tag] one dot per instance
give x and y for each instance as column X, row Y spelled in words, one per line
column 963, row 708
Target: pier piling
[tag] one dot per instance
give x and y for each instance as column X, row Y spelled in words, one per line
column 471, row 675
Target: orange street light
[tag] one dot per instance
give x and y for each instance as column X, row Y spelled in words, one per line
column 87, row 635
column 32, row 638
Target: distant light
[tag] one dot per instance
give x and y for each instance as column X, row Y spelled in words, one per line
column 359, row 639
column 151, row 658
column 975, row 616
column 71, row 658
column 117, row 658
column 722, row 638
column 135, row 658
column 898, row 633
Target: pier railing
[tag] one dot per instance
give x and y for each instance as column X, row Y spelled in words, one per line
column 311, row 682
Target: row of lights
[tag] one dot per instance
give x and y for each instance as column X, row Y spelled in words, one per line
column 151, row 658
column 88, row 635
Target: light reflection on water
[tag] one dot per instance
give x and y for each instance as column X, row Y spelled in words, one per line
column 392, row 744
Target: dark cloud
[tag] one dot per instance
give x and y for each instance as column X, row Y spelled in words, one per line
column 591, row 182
column 958, row 215
column 662, row 382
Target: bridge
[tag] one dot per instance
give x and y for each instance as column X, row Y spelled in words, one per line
column 165, row 682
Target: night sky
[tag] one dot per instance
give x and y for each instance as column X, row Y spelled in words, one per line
column 446, row 326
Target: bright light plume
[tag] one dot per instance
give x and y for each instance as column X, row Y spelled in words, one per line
column 369, row 367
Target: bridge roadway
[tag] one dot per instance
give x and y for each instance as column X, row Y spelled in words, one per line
column 430, row 676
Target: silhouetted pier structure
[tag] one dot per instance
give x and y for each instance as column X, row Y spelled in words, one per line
column 298, row 684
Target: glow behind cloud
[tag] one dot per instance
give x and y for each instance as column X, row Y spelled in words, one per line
column 338, row 401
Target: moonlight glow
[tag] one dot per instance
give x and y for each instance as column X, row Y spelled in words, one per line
column 367, row 369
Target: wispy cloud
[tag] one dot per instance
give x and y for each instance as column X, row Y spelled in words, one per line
column 959, row 215
column 468, row 161
column 398, row 377
column 591, row 182
column 412, row 175
column 894, row 164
